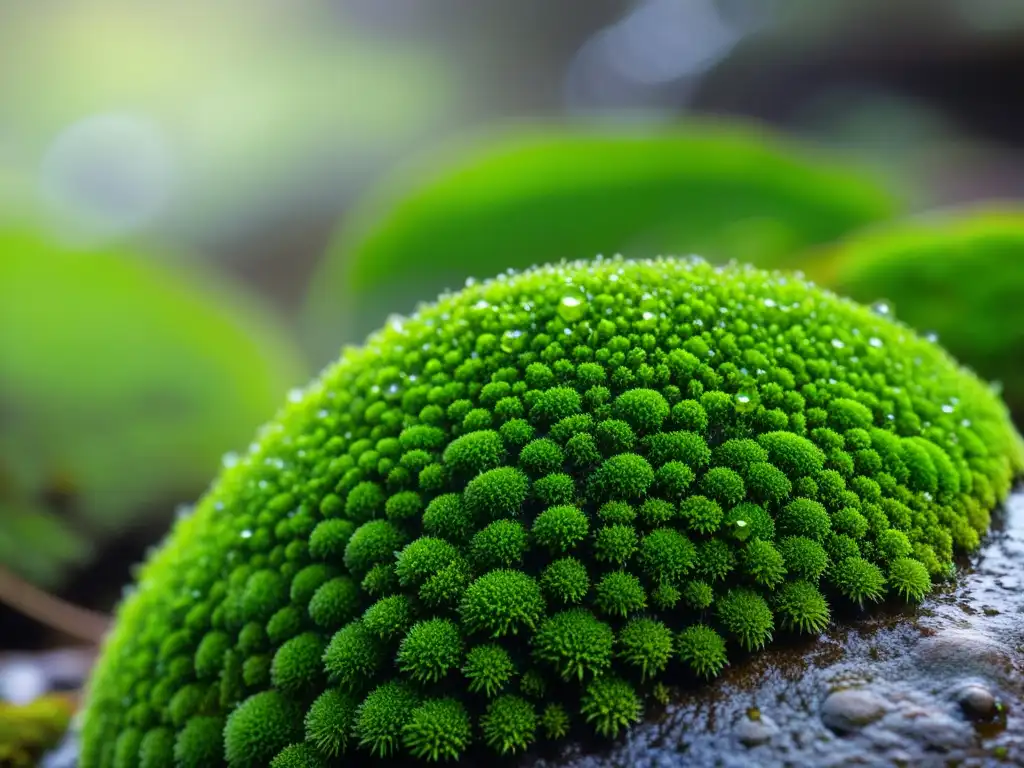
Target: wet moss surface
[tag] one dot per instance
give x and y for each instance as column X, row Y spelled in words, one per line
column 942, row 684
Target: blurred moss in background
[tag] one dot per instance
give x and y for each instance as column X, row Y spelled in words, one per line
column 123, row 381
column 541, row 194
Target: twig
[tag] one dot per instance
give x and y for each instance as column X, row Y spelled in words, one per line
column 72, row 620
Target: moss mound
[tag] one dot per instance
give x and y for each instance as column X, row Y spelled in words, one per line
column 522, row 510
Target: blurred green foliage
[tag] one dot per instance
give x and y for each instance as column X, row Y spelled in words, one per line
column 958, row 274
column 27, row 731
column 542, row 194
column 122, row 383
column 255, row 102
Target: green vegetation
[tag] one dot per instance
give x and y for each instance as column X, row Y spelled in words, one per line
column 959, row 276
column 122, row 383
column 773, row 452
column 544, row 193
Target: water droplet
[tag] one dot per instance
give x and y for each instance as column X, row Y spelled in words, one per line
column 837, row 344
column 572, row 308
column 882, row 308
column 932, row 336
column 875, row 342
column 482, row 304
column 741, row 530
column 230, row 459
column 246, row 534
column 511, row 341
column 746, row 401
column 295, row 395
column 948, row 408
column 769, row 302
column 965, row 422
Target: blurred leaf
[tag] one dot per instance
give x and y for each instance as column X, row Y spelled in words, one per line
column 959, row 274
column 122, row 383
column 545, row 194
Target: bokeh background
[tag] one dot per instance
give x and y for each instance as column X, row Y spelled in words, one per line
column 201, row 203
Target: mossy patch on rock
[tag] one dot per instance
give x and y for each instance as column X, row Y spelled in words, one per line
column 566, row 587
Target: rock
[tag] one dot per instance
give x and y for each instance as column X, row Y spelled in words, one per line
column 850, row 710
column 932, row 730
column 954, row 653
column 977, row 702
column 65, row 755
column 752, row 731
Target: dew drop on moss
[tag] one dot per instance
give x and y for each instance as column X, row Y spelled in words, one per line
column 572, row 308
column 746, row 401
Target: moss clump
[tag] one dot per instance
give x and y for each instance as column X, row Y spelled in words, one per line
column 385, row 574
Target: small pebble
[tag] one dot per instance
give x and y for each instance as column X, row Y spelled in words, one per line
column 752, row 732
column 850, row 710
column 977, row 702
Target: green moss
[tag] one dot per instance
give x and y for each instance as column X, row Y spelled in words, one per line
column 430, row 649
column 724, row 190
column 477, row 585
column 488, row 668
column 389, row 617
column 559, row 529
column 910, row 579
column 565, row 581
column 746, row 615
column 353, row 657
column 329, row 722
column 259, row 728
column 200, row 743
column 800, row 606
column 645, row 644
column 382, row 717
column 502, row 602
column 438, row 729
column 297, row 666
column 499, row 545
column 615, row 544
column 298, row 756
column 702, row 649
column 509, row 725
column 858, row 579
column 574, row 643
column 619, row 594
column 609, row 705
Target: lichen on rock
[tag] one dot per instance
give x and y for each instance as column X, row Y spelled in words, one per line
column 497, row 520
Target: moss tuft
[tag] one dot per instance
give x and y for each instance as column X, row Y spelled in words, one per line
column 609, row 705
column 488, row 668
column 509, row 725
column 489, row 523
column 439, row 729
